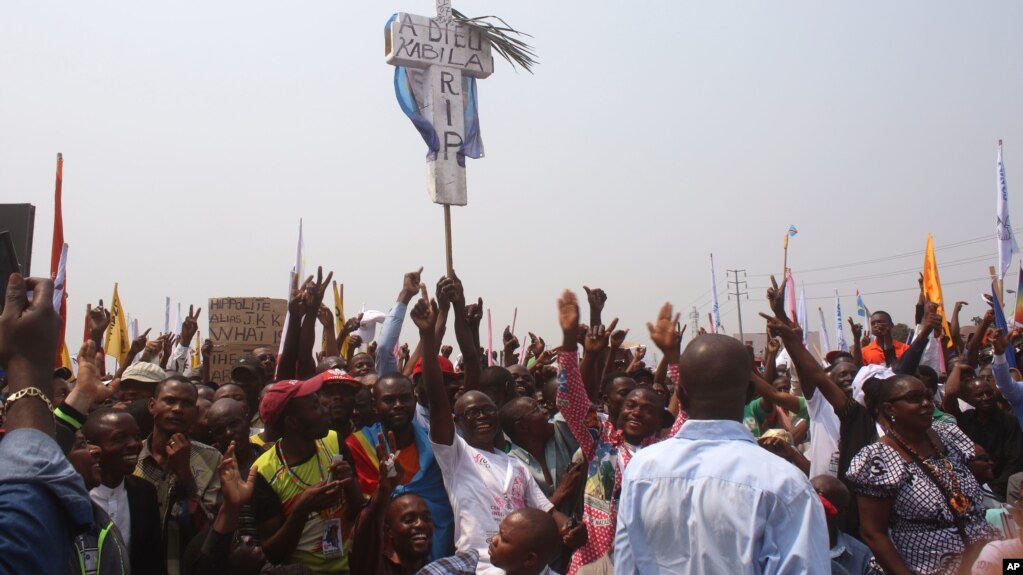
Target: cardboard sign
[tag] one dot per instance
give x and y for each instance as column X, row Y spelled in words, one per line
column 239, row 325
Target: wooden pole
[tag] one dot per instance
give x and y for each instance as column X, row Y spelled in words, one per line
column 447, row 239
column 785, row 264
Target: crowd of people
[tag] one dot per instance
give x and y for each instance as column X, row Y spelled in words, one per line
column 373, row 458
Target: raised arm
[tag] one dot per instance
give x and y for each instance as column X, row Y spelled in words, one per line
column 442, row 423
column 594, row 346
column 954, row 330
column 96, row 321
column 977, row 341
column 811, row 374
column 207, row 351
column 771, row 359
column 468, row 343
column 328, row 337
column 666, row 334
column 911, row 358
column 367, row 535
column 287, row 365
column 314, row 291
column 391, row 330
column 857, row 336
column 953, row 387
column 1012, row 390
column 572, row 399
column 772, row 396
column 597, row 298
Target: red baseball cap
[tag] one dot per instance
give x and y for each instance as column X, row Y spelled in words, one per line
column 338, row 376
column 446, row 367
column 279, row 394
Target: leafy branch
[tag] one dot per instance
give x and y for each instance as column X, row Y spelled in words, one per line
column 502, row 38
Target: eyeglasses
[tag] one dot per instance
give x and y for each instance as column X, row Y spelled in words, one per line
column 478, row 412
column 265, row 357
column 916, row 397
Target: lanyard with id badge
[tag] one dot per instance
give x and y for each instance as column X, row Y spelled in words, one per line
column 331, row 544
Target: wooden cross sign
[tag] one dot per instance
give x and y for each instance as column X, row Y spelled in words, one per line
column 437, row 56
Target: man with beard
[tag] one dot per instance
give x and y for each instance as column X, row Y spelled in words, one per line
column 130, row 501
column 301, row 516
column 395, row 403
column 484, row 485
column 183, row 471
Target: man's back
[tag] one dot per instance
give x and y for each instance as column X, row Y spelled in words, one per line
column 710, row 500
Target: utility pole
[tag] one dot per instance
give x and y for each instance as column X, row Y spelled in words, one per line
column 694, row 319
column 738, row 295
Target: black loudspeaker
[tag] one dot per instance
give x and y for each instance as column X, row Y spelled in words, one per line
column 8, row 264
column 19, row 220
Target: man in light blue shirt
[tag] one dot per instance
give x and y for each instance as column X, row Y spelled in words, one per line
column 710, row 500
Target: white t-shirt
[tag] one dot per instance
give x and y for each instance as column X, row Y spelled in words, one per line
column 824, row 430
column 989, row 562
column 484, row 487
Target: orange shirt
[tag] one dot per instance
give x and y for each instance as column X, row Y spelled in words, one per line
column 874, row 354
column 409, row 459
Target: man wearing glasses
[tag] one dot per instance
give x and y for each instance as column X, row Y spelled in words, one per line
column 484, row 484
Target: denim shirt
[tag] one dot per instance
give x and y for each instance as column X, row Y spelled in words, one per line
column 43, row 504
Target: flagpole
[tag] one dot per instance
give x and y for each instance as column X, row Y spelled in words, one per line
column 785, row 264
column 447, row 239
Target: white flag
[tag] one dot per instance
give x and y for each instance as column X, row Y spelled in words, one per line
column 58, row 282
column 839, row 327
column 715, row 309
column 297, row 276
column 166, row 316
column 1006, row 239
column 825, row 340
column 801, row 314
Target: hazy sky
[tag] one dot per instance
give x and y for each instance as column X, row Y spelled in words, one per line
column 196, row 134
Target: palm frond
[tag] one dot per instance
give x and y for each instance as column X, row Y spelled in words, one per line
column 502, row 39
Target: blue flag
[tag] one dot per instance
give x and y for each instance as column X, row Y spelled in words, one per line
column 861, row 310
column 1000, row 323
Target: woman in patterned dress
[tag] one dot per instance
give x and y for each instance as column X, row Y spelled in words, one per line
column 920, row 507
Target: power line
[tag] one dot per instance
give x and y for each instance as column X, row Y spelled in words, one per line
column 951, row 245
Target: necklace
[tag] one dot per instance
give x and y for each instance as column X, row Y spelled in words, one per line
column 957, row 501
column 291, row 472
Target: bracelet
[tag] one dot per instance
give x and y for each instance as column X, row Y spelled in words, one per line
column 28, row 392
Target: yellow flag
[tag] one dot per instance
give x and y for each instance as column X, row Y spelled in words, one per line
column 932, row 285
column 196, row 353
column 339, row 316
column 65, row 360
column 118, row 342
